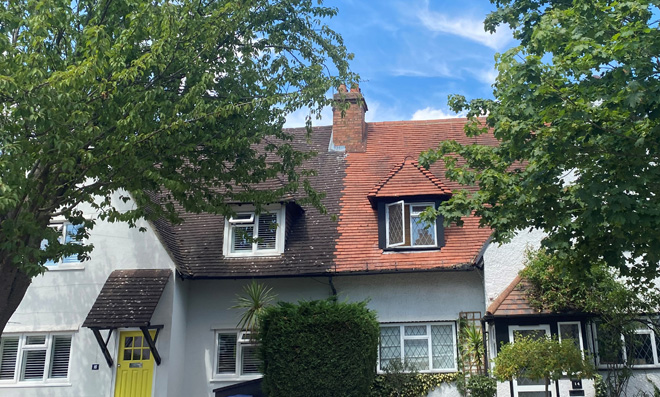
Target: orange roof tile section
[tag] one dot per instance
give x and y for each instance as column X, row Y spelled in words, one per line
column 389, row 144
column 513, row 301
column 409, row 179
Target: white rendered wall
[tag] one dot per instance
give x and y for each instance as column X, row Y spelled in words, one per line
column 396, row 297
column 503, row 262
column 60, row 300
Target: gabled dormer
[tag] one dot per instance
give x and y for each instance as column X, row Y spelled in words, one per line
column 400, row 198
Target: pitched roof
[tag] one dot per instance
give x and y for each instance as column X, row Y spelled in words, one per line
column 128, row 298
column 406, row 179
column 389, row 144
column 513, row 301
column 318, row 245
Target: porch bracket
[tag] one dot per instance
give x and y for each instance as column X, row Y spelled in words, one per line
column 104, row 345
column 152, row 342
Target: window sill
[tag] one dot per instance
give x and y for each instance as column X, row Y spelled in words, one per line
column 31, row 384
column 61, row 268
column 399, row 250
column 234, row 378
column 254, row 255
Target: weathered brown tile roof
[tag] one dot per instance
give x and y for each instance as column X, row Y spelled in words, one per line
column 513, row 301
column 318, row 245
column 128, row 298
column 389, row 144
column 406, row 179
column 197, row 243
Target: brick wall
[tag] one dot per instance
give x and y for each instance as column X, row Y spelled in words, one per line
column 350, row 130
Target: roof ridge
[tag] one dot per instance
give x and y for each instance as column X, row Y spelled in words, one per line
column 431, row 176
column 502, row 296
column 397, row 167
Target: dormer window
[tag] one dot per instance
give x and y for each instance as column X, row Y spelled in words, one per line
column 405, row 227
column 250, row 234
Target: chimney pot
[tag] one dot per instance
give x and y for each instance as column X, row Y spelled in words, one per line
column 342, row 88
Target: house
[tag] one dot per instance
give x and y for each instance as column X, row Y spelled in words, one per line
column 150, row 313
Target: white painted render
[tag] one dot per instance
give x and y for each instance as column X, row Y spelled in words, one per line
column 60, row 300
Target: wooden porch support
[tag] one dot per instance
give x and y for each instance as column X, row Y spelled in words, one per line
column 152, row 342
column 104, row 344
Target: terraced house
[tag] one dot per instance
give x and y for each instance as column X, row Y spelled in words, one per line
column 149, row 314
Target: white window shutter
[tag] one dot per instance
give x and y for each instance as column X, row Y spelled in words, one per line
column 34, row 363
column 396, row 225
column 226, row 354
column 8, row 355
column 59, row 359
column 267, row 232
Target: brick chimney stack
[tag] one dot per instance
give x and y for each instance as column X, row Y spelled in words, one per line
column 350, row 131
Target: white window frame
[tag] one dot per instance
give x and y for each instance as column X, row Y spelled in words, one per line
column 638, row 331
column 19, row 364
column 408, row 228
column 61, row 226
column 279, row 211
column 530, row 388
column 242, row 340
column 428, row 336
column 560, row 323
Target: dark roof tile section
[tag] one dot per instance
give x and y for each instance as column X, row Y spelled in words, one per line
column 388, row 145
column 128, row 298
column 197, row 246
column 406, row 179
column 513, row 301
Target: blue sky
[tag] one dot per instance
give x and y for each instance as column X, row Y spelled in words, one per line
column 412, row 54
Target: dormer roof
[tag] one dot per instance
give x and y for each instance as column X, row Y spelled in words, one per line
column 407, row 179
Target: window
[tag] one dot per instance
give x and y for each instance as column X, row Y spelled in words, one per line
column 68, row 234
column 405, row 228
column 237, row 354
column 639, row 349
column 251, row 234
column 571, row 330
column 34, row 358
column 427, row 347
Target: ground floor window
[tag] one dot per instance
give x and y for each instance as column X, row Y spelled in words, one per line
column 34, row 358
column 236, row 354
column 640, row 348
column 427, row 347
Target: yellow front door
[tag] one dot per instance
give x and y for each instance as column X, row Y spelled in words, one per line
column 135, row 366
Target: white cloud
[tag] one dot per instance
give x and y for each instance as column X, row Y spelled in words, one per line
column 297, row 118
column 469, row 28
column 430, row 113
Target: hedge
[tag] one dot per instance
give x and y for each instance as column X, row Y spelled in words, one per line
column 318, row 348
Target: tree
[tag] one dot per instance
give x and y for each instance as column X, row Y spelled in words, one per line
column 541, row 359
column 577, row 117
column 111, row 97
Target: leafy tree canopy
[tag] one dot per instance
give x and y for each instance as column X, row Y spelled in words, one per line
column 100, row 97
column 577, row 116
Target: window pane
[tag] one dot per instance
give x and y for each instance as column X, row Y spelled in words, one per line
column 267, row 231
column 610, row 349
column 417, row 353
column 226, row 353
column 8, row 354
column 242, row 238
column 70, row 237
column 414, row 330
column 641, row 348
column 390, row 345
column 395, row 223
column 35, row 340
column 570, row 331
column 422, row 235
column 34, row 362
column 59, row 362
column 442, row 342
column 250, row 364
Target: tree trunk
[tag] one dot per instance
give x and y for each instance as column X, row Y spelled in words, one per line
column 13, row 285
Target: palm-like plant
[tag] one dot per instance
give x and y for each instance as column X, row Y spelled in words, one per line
column 255, row 299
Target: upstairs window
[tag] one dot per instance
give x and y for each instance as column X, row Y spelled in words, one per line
column 68, row 234
column 405, row 227
column 252, row 234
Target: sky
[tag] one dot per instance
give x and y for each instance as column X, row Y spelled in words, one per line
column 411, row 54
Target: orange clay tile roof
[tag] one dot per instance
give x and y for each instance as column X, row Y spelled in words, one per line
column 408, row 178
column 513, row 301
column 389, row 144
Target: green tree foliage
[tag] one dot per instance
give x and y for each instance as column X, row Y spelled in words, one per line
column 577, row 116
column 541, row 359
column 100, row 97
column 257, row 297
column 333, row 344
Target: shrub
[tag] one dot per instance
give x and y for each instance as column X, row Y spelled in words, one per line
column 318, row 348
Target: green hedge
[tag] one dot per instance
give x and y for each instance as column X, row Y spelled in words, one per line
column 318, row 348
